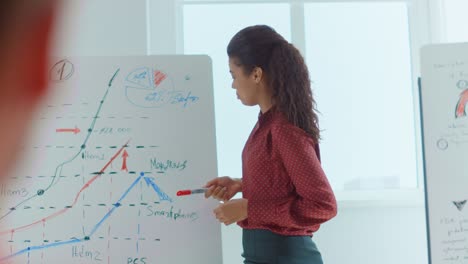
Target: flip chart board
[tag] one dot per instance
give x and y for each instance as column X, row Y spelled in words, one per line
column 109, row 149
column 444, row 97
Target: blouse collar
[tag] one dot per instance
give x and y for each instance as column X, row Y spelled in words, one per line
column 264, row 118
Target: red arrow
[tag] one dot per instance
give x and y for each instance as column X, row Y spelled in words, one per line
column 124, row 163
column 74, row 130
column 461, row 105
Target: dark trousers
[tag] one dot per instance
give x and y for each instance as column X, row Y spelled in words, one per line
column 266, row 247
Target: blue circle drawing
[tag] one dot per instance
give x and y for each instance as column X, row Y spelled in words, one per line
column 462, row 84
column 442, row 144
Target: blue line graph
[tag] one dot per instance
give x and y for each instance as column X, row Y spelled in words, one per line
column 155, row 187
column 34, row 248
column 117, row 204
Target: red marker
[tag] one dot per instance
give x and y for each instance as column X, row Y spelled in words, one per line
column 189, row 192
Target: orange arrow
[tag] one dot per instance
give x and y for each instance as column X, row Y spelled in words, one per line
column 461, row 105
column 124, row 163
column 74, row 130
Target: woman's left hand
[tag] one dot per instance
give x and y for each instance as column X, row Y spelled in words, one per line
column 231, row 211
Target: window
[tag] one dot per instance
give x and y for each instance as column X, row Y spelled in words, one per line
column 455, row 18
column 359, row 59
column 361, row 56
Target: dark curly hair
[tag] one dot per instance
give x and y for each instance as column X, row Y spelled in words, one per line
column 285, row 70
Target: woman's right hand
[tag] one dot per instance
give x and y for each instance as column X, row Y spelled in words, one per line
column 223, row 188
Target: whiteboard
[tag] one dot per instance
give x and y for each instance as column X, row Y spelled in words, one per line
column 444, row 97
column 110, row 148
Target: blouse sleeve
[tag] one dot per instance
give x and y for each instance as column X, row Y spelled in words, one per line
column 315, row 202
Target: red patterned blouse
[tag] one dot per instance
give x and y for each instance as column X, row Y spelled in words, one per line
column 283, row 181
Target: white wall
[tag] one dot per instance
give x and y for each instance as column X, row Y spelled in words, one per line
column 116, row 28
column 101, row 28
column 358, row 235
column 384, row 235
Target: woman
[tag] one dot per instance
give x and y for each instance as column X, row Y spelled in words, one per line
column 286, row 195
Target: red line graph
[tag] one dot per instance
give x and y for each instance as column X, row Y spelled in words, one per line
column 64, row 210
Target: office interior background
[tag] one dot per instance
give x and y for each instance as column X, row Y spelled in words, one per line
column 364, row 62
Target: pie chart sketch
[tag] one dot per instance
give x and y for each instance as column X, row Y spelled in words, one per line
column 149, row 88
